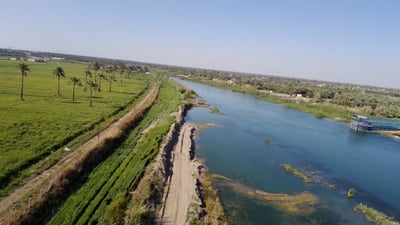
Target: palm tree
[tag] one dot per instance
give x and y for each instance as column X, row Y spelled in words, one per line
column 129, row 71
column 59, row 72
column 111, row 77
column 121, row 70
column 93, row 87
column 75, row 82
column 101, row 76
column 87, row 74
column 110, row 80
column 24, row 68
column 96, row 67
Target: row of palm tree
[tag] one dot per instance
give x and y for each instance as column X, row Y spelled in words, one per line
column 93, row 85
column 116, row 68
column 58, row 72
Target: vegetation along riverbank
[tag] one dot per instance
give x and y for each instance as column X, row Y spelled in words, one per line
column 335, row 101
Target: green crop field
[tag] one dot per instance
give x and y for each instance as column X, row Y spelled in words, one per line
column 34, row 132
column 121, row 172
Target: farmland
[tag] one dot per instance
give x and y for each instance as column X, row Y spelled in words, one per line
column 45, row 131
column 120, row 173
column 36, row 131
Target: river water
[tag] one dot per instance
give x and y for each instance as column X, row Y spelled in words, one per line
column 236, row 148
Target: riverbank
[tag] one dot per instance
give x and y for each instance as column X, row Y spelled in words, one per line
column 190, row 197
column 171, row 190
column 318, row 109
column 181, row 194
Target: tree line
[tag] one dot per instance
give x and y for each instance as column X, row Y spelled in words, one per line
column 94, row 74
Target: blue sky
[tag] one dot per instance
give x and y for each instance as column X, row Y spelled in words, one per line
column 354, row 41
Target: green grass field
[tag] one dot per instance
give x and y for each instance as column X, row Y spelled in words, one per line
column 121, row 172
column 43, row 124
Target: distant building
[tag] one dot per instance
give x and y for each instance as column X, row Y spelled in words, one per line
column 56, row 58
column 13, row 59
column 37, row 59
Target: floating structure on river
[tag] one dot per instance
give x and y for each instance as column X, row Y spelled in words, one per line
column 366, row 124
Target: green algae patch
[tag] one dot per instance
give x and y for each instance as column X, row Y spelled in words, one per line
column 294, row 204
column 215, row 211
column 215, row 110
column 374, row 216
column 268, row 140
column 289, row 169
column 201, row 126
column 218, row 176
column 351, row 193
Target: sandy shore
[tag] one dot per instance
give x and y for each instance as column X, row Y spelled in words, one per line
column 181, row 189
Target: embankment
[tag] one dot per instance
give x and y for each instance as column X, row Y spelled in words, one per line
column 171, row 190
column 180, row 191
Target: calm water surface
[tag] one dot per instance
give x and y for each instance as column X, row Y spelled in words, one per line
column 236, row 148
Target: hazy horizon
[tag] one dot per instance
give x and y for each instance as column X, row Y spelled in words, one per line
column 352, row 41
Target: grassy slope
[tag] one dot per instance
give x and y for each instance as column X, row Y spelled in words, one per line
column 44, row 122
column 122, row 171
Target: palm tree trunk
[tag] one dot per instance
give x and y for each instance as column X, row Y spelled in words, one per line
column 58, row 86
column 91, row 89
column 85, row 82
column 99, row 84
column 73, row 93
column 22, row 88
column 110, row 85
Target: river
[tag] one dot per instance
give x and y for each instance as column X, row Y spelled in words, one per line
column 236, row 148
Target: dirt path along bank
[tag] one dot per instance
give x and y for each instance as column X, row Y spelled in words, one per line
column 181, row 190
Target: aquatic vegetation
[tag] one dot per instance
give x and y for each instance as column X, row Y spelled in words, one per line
column 294, row 204
column 351, row 193
column 201, row 126
column 289, row 169
column 215, row 110
column 375, row 216
column 320, row 115
column 215, row 211
column 298, row 204
column 268, row 140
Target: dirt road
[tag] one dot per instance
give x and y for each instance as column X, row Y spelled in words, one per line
column 181, row 191
column 35, row 183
